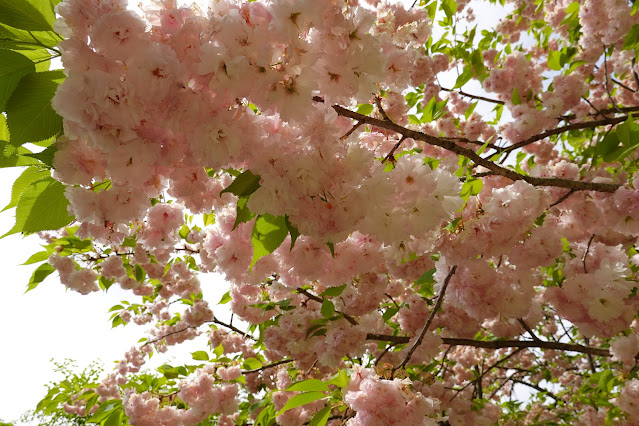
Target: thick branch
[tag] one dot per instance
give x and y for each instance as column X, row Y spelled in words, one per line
column 499, row 344
column 470, row 154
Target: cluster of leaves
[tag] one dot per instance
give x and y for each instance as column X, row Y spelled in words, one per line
column 27, row 46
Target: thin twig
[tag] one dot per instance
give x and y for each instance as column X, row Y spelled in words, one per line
column 378, row 102
column 266, row 367
column 392, row 151
column 431, row 316
column 563, row 198
column 350, row 132
column 528, row 329
column 583, row 259
column 231, row 327
column 479, row 98
column 536, row 387
column 321, row 300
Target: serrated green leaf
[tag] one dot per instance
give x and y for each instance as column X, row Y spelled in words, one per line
column 251, row 364
column 321, row 417
column 243, row 213
column 328, row 308
column 554, row 60
column 308, row 385
column 200, row 356
column 31, row 15
column 389, row 313
column 301, row 399
column 515, row 98
column 39, row 275
column 13, row 66
column 41, row 207
column 45, row 156
column 21, row 40
column 30, row 175
column 40, row 256
column 226, row 298
column 245, row 184
column 470, row 109
column 340, row 380
column 292, row 230
column 115, row 419
column 209, row 219
column 268, row 234
column 29, row 113
column 333, row 291
column 12, row 156
column 464, row 77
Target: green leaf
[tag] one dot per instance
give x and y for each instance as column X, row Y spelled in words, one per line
column 104, row 410
column 268, row 233
column 301, row 399
column 340, row 380
column 389, row 313
column 365, row 109
column 225, row 299
column 39, row 275
column 30, row 175
column 4, row 130
column 29, row 113
column 328, row 308
column 251, row 364
column 17, row 39
column 46, row 156
column 13, row 66
column 308, row 385
column 515, row 98
column 243, row 213
column 464, row 77
column 333, row 291
column 427, row 277
column 292, row 230
column 115, row 419
column 331, row 247
column 209, row 219
column 470, row 109
column 554, row 60
column 321, row 417
column 12, row 156
column 41, row 207
column 245, row 184
column 41, row 58
column 32, row 15
column 200, row 356
column 40, row 256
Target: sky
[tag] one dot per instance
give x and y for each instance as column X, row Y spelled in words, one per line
column 52, row 323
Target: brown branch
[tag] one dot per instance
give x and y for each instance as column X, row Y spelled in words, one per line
column 499, row 344
column 563, row 129
column 430, row 319
column 602, row 112
column 350, row 132
column 468, row 95
column 385, row 117
column 231, row 327
column 562, row 198
column 391, row 154
column 528, row 329
column 614, row 80
column 320, row 300
column 536, row 387
column 168, row 334
column 470, row 154
column 583, row 259
column 266, row 367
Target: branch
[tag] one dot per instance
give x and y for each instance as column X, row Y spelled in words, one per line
column 320, row 300
column 559, row 130
column 563, row 198
column 536, row 387
column 266, row 367
column 499, row 344
column 231, row 327
column 528, row 329
column 431, row 316
column 583, row 259
column 468, row 95
column 167, row 335
column 470, row 154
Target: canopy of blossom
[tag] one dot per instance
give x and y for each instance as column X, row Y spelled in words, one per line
column 401, row 251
